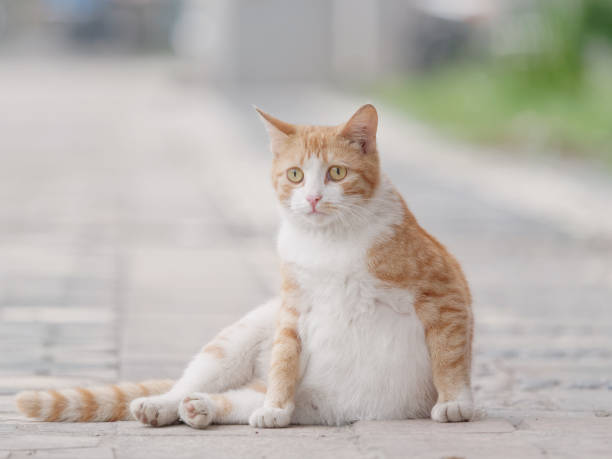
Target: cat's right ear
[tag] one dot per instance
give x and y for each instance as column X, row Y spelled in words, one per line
column 278, row 130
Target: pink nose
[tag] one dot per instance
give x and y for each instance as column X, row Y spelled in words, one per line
column 313, row 200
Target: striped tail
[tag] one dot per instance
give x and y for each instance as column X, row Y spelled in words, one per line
column 94, row 404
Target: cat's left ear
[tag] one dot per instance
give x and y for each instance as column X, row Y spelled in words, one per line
column 278, row 130
column 361, row 128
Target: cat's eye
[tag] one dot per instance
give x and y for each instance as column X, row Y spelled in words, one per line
column 337, row 173
column 295, row 175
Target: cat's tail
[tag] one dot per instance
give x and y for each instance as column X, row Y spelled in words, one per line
column 103, row 403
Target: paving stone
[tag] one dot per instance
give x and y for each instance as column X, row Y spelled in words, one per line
column 418, row 426
column 94, row 429
column 213, row 446
column 589, row 384
column 67, row 453
column 7, row 403
column 147, row 367
column 137, row 429
column 56, row 314
column 539, row 384
column 41, row 441
column 208, row 276
column 568, row 445
column 590, row 426
column 43, row 382
column 437, row 445
column 157, row 335
column 581, row 400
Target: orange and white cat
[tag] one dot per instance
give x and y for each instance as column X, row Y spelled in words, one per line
column 373, row 320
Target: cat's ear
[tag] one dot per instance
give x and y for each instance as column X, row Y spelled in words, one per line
column 361, row 128
column 278, row 130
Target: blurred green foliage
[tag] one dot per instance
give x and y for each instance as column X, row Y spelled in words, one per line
column 554, row 93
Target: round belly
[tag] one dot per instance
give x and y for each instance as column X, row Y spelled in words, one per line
column 374, row 365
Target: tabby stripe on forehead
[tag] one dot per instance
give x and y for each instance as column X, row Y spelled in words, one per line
column 90, row 405
column 57, row 408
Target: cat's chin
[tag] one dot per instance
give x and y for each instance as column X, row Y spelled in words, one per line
column 314, row 220
column 317, row 218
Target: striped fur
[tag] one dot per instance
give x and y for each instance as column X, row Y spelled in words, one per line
column 411, row 258
column 94, row 404
column 286, row 349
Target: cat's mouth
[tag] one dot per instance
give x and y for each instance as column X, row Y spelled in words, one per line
column 316, row 213
column 316, row 216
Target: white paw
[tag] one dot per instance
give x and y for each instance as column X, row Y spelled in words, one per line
column 458, row 410
column 197, row 410
column 155, row 411
column 270, row 417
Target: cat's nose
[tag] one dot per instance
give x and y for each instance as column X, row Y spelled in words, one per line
column 313, row 199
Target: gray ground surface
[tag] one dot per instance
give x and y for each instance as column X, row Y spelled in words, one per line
column 137, row 219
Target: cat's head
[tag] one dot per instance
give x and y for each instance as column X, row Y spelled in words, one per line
column 325, row 174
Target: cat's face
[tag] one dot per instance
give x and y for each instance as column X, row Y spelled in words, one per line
column 324, row 175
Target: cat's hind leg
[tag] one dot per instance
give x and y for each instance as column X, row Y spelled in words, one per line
column 228, row 361
column 199, row 410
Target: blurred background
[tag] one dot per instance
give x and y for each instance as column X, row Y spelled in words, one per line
column 532, row 73
column 136, row 214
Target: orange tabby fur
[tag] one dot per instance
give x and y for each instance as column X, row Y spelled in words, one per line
column 286, row 348
column 411, row 258
column 104, row 403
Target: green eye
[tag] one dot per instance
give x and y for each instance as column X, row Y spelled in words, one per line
column 295, row 175
column 337, row 173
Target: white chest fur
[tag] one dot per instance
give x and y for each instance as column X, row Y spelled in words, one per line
column 363, row 348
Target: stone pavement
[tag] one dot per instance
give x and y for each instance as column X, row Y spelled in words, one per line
column 137, row 219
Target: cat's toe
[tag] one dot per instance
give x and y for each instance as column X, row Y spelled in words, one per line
column 154, row 411
column 197, row 410
column 269, row 417
column 453, row 411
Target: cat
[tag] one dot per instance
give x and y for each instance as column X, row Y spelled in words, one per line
column 373, row 320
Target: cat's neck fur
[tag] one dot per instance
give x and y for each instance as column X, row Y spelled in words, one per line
column 342, row 243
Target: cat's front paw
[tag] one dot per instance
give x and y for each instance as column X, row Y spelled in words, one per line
column 155, row 411
column 460, row 409
column 268, row 416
